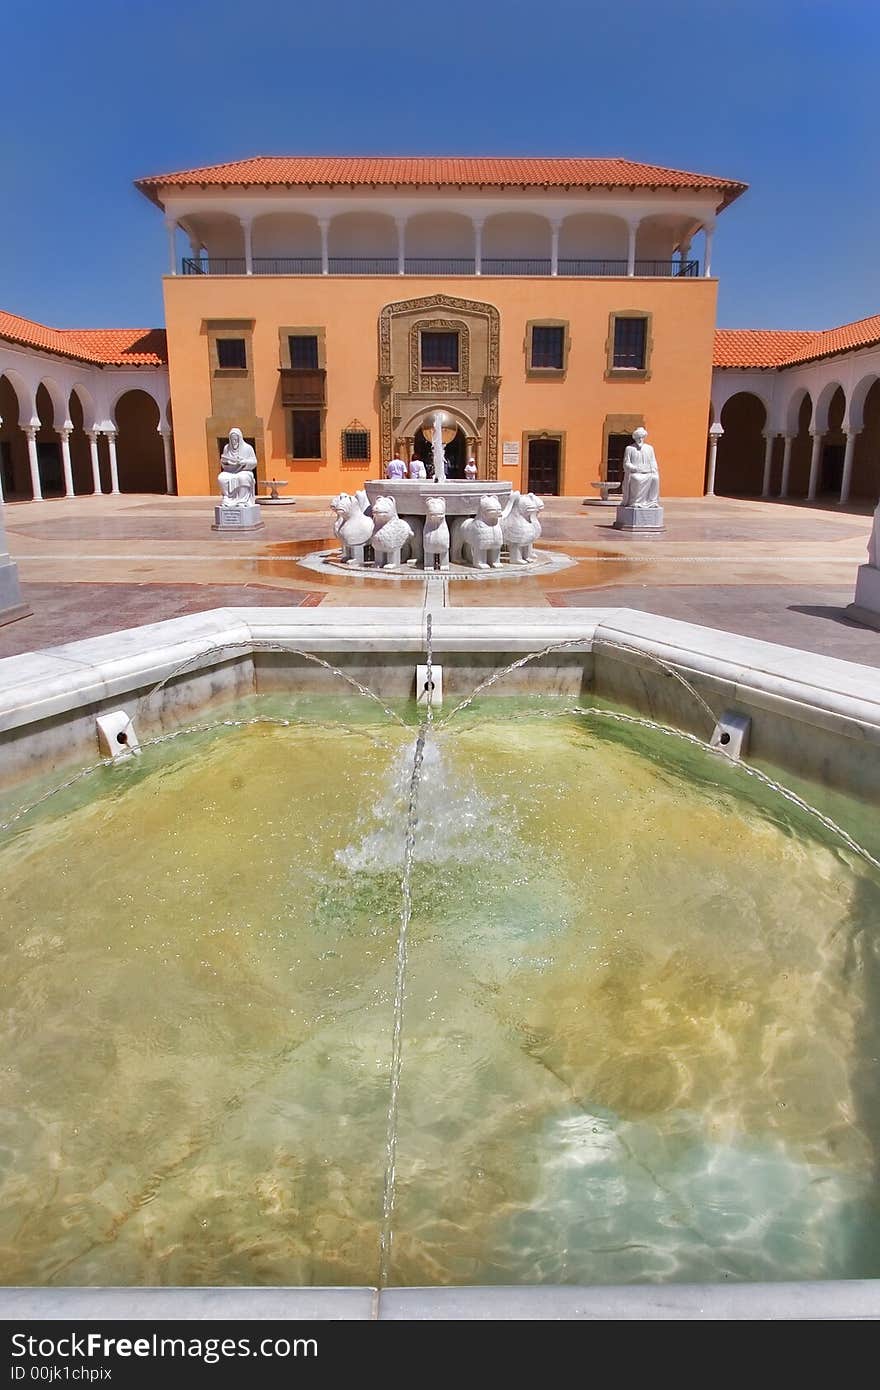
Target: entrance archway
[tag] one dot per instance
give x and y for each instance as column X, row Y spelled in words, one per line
column 455, row 450
column 740, row 460
column 139, row 446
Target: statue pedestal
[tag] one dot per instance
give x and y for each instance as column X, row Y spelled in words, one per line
column 232, row 521
column 639, row 518
column 11, row 603
column 865, row 607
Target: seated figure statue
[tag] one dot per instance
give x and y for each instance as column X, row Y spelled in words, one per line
column 641, row 476
column 238, row 472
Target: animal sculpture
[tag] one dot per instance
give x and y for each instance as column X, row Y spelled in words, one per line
column 479, row 538
column 390, row 533
column 521, row 527
column 351, row 526
column 435, row 536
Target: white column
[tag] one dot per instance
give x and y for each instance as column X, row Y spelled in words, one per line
column 846, row 480
column 169, row 465
column 172, row 243
column 65, row 460
column 815, row 459
column 631, row 249
column 707, row 253
column 400, row 223
column 769, row 439
column 324, row 224
column 786, row 465
column 684, row 250
column 114, row 467
column 248, row 249
column 96, row 463
column 478, row 247
column 715, row 433
column 31, row 436
column 554, row 248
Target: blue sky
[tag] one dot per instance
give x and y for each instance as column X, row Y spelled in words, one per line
column 780, row 94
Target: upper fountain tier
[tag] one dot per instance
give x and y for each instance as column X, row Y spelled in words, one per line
column 461, row 498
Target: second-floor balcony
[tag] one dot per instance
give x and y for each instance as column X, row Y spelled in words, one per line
column 438, row 265
column 443, row 243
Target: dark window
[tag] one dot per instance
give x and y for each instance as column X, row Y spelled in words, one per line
column 548, row 346
column 439, row 352
column 231, row 352
column 614, row 460
column 630, row 337
column 355, row 445
column 307, row 434
column 303, row 350
column 221, row 444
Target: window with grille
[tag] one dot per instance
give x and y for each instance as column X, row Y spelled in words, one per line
column 548, row 346
column 307, row 434
column 303, row 350
column 231, row 352
column 630, row 340
column 439, row 352
column 355, row 445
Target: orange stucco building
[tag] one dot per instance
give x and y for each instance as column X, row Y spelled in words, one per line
column 327, row 307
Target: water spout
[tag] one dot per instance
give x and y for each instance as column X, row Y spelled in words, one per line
column 437, row 448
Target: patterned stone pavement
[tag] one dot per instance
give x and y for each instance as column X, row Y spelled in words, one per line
column 780, row 571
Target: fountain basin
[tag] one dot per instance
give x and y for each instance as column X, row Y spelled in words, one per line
column 462, row 498
column 809, row 714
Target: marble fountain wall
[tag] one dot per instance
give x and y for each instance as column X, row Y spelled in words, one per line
column 813, row 716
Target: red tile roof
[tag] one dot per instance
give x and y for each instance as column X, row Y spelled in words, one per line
column 782, row 347
column 105, row 347
column 308, row 171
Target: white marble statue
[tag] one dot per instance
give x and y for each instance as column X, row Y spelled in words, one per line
column 390, row 532
column 363, row 501
column 641, row 476
column 435, row 537
column 874, row 540
column 417, row 469
column 238, row 472
column 479, row 537
column 351, row 526
column 521, row 526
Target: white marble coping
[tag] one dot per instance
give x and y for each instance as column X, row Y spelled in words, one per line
column 814, row 689
column 850, row 1299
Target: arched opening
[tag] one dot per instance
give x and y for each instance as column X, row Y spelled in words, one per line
column 439, row 243
column 592, row 244
column 829, row 418
column 866, row 455
column 80, row 412
column 286, row 243
column 13, row 446
column 222, row 236
column 362, row 243
column 656, row 240
column 455, row 448
column 139, row 452
column 49, row 445
column 739, row 467
column 516, row 243
column 800, row 415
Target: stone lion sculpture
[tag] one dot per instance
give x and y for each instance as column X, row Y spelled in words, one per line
column 351, row 526
column 479, row 539
column 390, row 533
column 435, row 536
column 521, row 526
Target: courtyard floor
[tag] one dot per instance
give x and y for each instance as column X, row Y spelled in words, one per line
column 783, row 572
